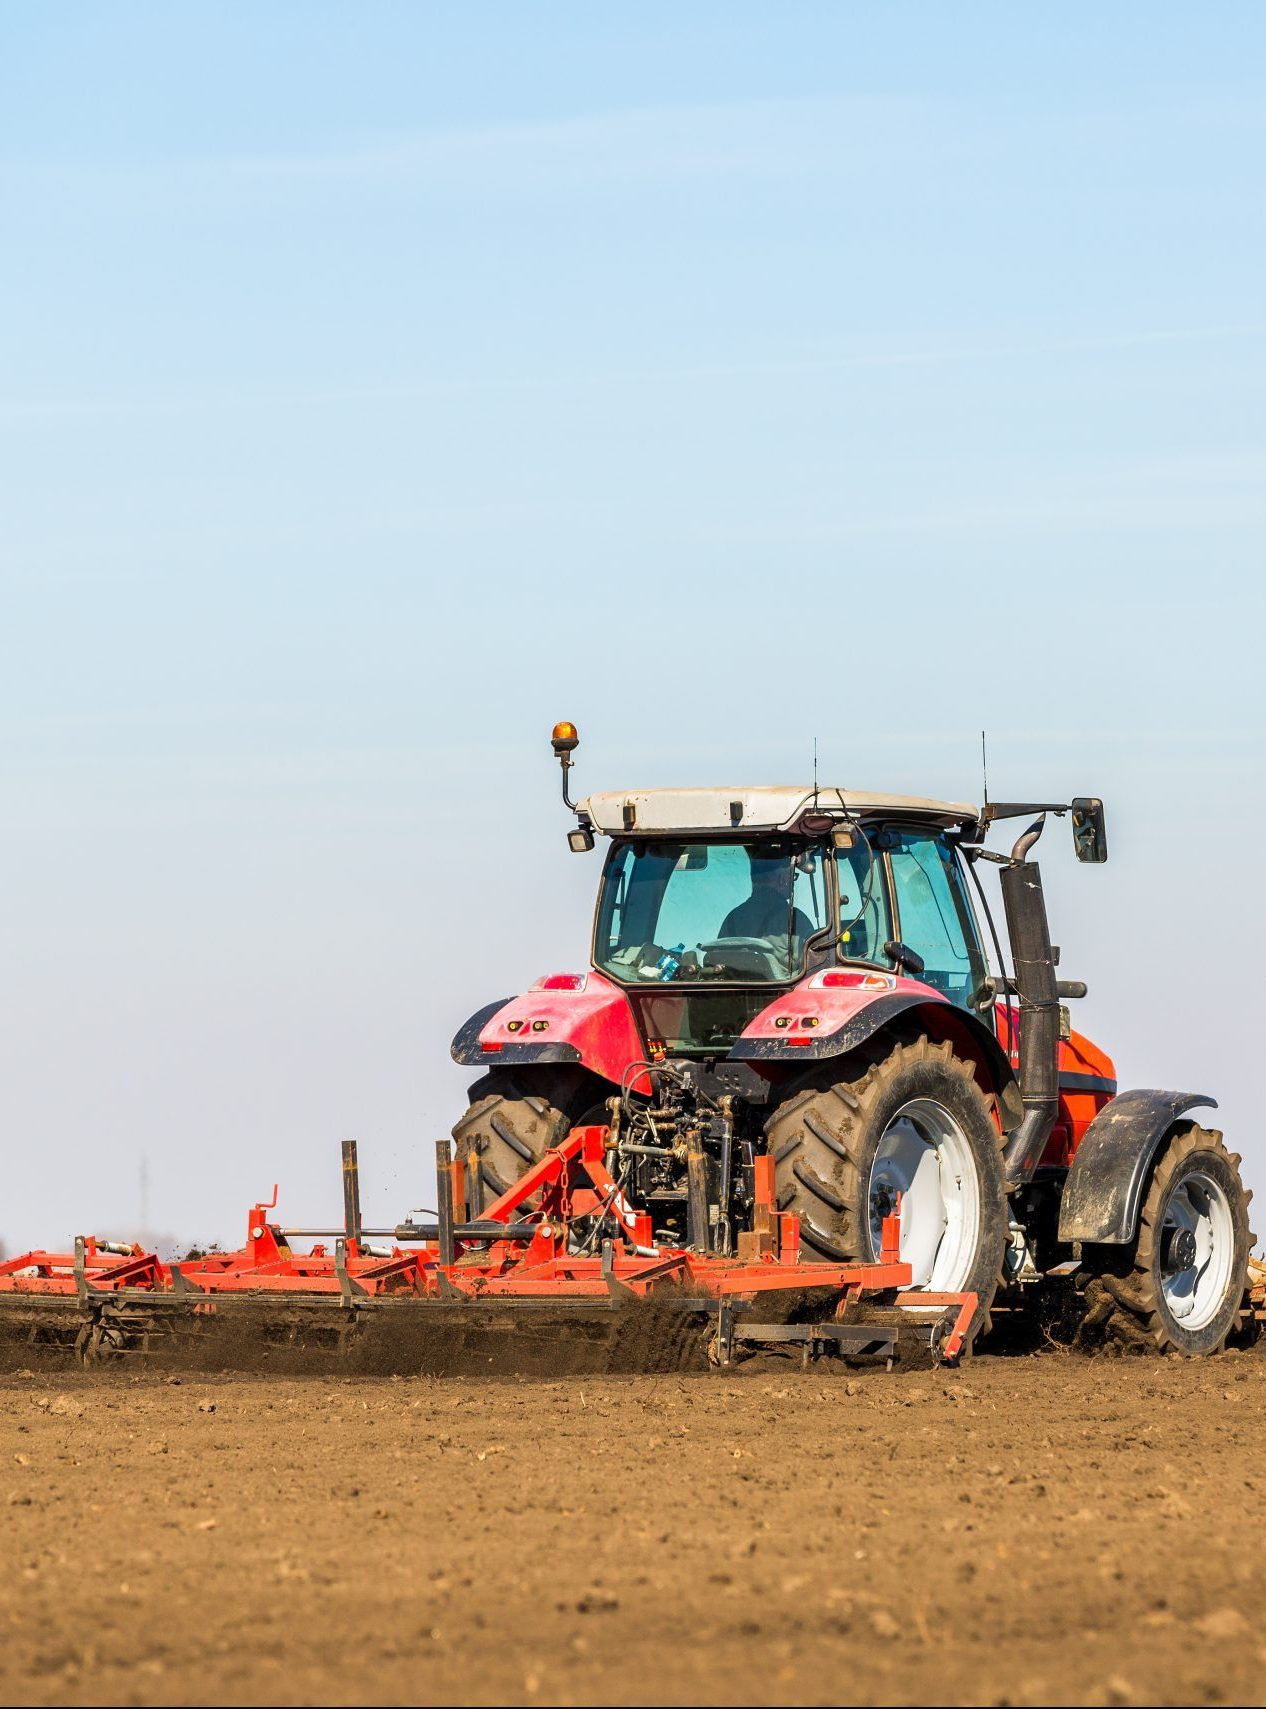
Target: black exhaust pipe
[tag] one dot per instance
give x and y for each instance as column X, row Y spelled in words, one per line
column 1038, row 992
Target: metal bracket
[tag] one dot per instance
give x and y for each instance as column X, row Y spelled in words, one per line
column 83, row 1287
column 349, row 1287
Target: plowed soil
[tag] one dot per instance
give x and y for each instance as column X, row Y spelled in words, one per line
column 1028, row 1530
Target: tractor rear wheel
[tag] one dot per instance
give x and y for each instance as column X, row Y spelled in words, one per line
column 515, row 1117
column 1180, row 1288
column 912, row 1122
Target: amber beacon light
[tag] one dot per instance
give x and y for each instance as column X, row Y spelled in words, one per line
column 565, row 739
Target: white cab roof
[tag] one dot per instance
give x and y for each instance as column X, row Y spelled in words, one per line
column 760, row 808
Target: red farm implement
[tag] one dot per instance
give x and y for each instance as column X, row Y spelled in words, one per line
column 514, row 1288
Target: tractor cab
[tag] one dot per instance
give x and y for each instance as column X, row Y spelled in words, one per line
column 711, row 901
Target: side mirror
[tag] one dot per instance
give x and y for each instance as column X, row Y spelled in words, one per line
column 1090, row 833
column 901, row 955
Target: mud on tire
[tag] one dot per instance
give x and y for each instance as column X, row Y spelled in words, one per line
column 514, row 1118
column 826, row 1136
column 1139, row 1299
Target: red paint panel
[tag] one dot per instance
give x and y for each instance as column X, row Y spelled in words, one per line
column 833, row 1005
column 597, row 1020
column 1077, row 1108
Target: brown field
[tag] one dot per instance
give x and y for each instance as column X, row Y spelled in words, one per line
column 1027, row 1530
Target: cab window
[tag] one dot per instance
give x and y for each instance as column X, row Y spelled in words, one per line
column 865, row 926
column 934, row 917
column 709, row 912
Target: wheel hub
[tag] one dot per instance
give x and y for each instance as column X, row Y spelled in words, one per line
column 1180, row 1250
column 1197, row 1250
column 924, row 1161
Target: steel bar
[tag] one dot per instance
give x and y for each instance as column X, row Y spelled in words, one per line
column 351, row 1192
column 856, row 1335
column 444, row 1194
column 698, row 1233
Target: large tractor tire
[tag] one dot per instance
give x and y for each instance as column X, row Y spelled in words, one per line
column 514, row 1118
column 912, row 1122
column 1180, row 1287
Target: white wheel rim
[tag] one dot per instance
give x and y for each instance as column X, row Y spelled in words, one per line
column 924, row 1156
column 1195, row 1293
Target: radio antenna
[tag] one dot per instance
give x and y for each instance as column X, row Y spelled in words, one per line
column 984, row 768
column 815, row 771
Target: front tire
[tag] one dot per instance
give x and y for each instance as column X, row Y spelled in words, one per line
column 1183, row 1290
column 913, row 1122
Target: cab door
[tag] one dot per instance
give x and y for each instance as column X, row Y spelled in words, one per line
column 934, row 914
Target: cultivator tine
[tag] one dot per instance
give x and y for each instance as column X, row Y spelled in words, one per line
column 615, row 1288
column 724, row 1342
column 348, row 1286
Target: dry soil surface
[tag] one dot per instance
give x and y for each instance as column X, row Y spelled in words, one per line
column 1031, row 1530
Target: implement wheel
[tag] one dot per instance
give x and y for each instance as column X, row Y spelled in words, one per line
column 514, row 1118
column 1181, row 1286
column 913, row 1122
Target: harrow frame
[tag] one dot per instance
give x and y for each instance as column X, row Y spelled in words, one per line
column 521, row 1254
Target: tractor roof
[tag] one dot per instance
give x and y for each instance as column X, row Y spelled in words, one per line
column 670, row 812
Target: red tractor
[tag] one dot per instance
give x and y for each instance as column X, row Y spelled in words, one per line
column 800, row 974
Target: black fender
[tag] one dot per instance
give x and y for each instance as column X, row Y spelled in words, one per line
column 465, row 1046
column 1109, row 1170
column 466, row 1050
column 872, row 1019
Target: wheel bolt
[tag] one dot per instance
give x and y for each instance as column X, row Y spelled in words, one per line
column 1179, row 1250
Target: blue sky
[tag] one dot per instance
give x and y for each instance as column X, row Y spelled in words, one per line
column 380, row 383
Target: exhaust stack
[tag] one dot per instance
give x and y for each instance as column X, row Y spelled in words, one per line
column 1038, row 991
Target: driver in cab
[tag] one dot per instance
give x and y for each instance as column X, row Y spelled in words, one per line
column 768, row 912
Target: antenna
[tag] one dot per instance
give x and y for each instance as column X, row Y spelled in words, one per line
column 815, row 771
column 984, row 768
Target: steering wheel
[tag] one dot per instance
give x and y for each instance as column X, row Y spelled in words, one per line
column 742, row 955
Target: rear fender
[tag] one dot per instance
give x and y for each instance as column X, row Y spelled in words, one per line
column 1109, row 1171
column 814, row 1022
column 587, row 1021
